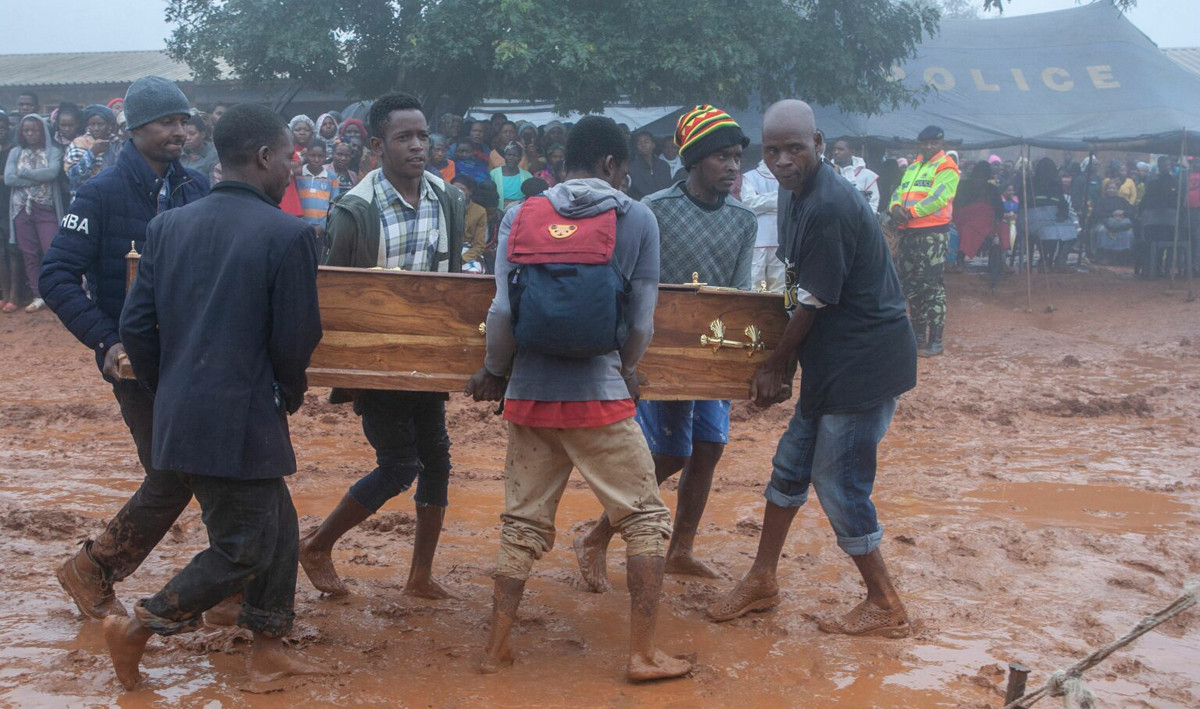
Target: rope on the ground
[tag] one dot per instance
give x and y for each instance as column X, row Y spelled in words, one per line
column 1068, row 683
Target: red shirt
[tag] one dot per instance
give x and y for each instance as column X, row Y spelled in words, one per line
column 567, row 414
column 290, row 203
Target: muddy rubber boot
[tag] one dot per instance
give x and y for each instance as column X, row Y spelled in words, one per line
column 919, row 331
column 935, row 342
column 83, row 580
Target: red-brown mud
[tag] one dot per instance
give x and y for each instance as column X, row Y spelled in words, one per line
column 1039, row 493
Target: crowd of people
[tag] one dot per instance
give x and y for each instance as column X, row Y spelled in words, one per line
column 495, row 196
column 1121, row 213
column 219, row 344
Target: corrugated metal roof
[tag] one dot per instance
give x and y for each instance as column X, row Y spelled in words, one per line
column 67, row 68
column 1186, row 57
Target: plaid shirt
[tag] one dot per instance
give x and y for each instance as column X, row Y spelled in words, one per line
column 411, row 236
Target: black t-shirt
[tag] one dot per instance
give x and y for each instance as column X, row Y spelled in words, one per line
column 861, row 350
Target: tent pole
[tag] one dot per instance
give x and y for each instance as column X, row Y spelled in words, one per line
column 1179, row 202
column 1186, row 216
column 1085, row 212
column 1028, row 253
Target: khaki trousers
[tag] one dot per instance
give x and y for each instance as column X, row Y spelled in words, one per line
column 614, row 461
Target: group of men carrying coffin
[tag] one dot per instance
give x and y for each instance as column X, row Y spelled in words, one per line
column 222, row 319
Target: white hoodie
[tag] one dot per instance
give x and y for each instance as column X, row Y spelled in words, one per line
column 863, row 180
column 760, row 192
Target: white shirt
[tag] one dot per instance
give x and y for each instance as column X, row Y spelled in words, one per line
column 864, row 180
column 760, row 192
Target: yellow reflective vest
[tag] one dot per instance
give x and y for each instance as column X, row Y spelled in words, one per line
column 927, row 191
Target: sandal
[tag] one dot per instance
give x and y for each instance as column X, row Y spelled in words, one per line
column 9, row 307
column 738, row 603
column 868, row 619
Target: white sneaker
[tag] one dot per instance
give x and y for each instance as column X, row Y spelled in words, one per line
column 35, row 306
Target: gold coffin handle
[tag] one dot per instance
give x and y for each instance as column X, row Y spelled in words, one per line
column 717, row 340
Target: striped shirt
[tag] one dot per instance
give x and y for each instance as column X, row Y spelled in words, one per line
column 411, row 236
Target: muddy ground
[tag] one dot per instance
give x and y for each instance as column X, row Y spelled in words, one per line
column 1039, row 491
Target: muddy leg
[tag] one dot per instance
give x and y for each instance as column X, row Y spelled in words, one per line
column 759, row 588
column 420, row 574
column 591, row 549
column 316, row 548
column 271, row 660
column 694, row 486
column 880, row 591
column 646, row 661
column 506, row 598
column 126, row 639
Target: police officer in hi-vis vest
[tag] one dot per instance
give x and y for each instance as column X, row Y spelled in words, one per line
column 921, row 209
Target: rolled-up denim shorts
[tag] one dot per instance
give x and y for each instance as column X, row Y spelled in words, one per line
column 671, row 426
column 836, row 454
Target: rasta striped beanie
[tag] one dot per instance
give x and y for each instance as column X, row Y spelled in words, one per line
column 703, row 131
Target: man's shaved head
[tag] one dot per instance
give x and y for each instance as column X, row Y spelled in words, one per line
column 792, row 145
column 795, row 114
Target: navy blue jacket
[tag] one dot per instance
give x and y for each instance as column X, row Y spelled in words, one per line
column 109, row 213
column 220, row 324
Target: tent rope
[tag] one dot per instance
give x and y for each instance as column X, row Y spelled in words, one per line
column 1068, row 683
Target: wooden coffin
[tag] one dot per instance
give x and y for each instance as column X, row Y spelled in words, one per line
column 423, row 332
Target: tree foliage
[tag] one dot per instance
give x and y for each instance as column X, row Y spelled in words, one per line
column 579, row 54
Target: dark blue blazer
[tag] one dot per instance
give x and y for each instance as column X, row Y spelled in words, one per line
column 220, row 324
column 109, row 213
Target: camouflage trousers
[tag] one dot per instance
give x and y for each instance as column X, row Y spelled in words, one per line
column 921, row 261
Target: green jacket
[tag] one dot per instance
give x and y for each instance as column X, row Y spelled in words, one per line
column 353, row 225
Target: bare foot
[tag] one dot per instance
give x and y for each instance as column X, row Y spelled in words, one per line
column 752, row 593
column 660, row 666
column 687, row 565
column 427, row 588
column 271, row 660
column 126, row 641
column 318, row 565
column 496, row 659
column 593, row 565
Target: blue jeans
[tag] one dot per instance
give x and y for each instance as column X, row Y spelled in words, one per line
column 836, row 454
column 253, row 547
column 408, row 432
column 671, row 426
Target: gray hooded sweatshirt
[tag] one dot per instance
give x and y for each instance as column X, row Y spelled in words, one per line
column 16, row 179
column 537, row 377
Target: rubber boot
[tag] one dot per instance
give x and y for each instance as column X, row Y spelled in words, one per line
column 935, row 342
column 83, row 580
column 919, row 331
column 315, row 547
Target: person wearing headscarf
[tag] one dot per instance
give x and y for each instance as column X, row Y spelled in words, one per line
column 327, row 127
column 555, row 170
column 354, row 131
column 303, row 129
column 527, row 136
column 439, row 163
column 36, row 205
column 553, row 133
column 96, row 149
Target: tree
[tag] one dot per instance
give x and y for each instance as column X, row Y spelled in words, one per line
column 998, row 5
column 580, row 54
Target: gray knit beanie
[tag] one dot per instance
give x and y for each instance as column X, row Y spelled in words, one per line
column 152, row 97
